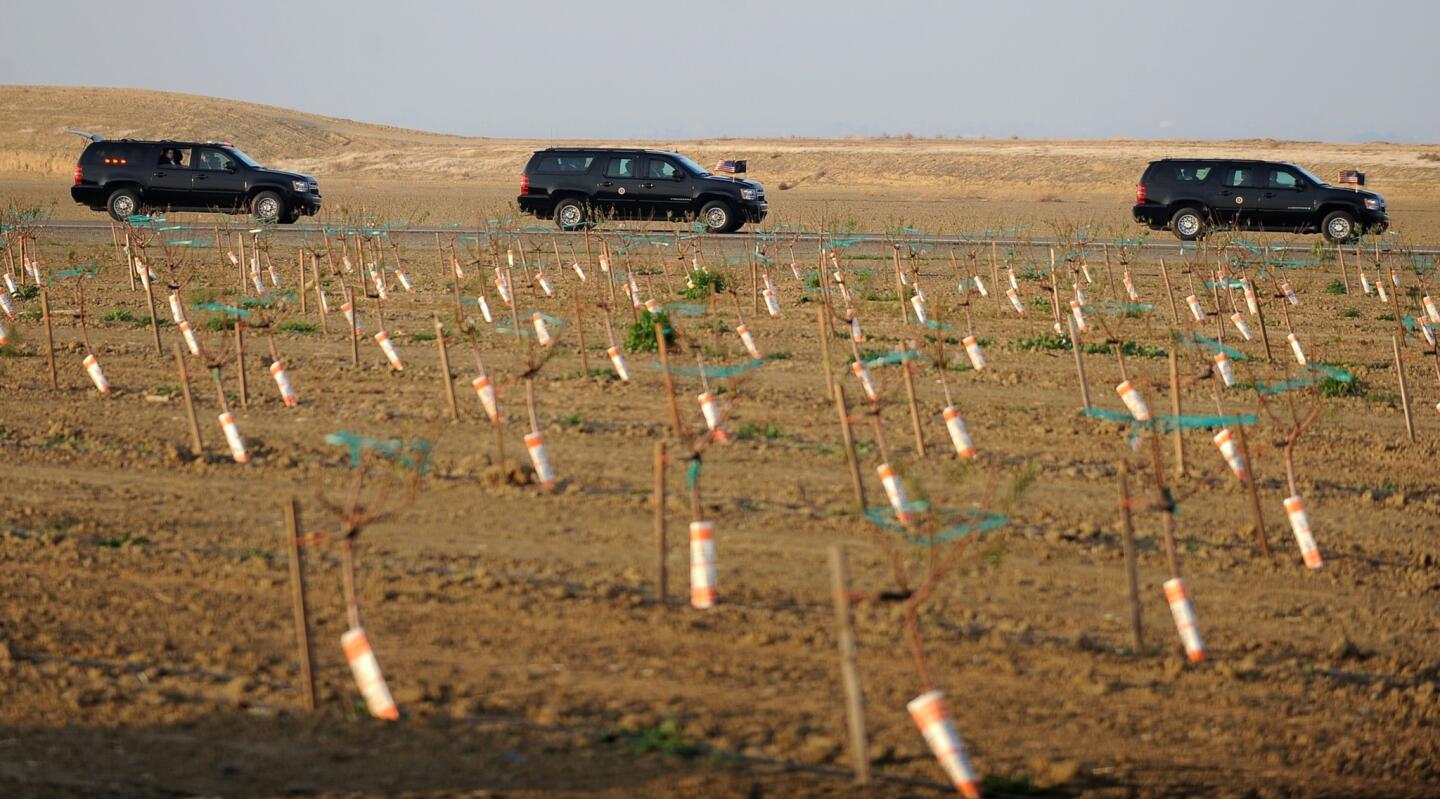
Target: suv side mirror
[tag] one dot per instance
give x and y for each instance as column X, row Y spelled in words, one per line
column 230, row 168
column 1300, row 185
column 679, row 176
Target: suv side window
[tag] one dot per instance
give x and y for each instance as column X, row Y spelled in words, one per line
column 109, row 155
column 213, row 160
column 623, row 167
column 1244, row 177
column 1283, row 179
column 1191, row 173
column 565, row 164
column 661, row 169
column 178, row 157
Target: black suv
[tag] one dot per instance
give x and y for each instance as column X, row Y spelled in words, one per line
column 1191, row 195
column 574, row 185
column 127, row 177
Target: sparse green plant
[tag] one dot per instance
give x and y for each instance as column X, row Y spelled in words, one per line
column 641, row 335
column 703, row 283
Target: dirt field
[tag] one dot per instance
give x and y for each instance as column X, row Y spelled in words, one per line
column 149, row 651
column 147, row 646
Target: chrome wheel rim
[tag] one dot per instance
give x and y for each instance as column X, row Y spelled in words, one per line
column 1188, row 224
column 570, row 215
column 716, row 218
column 267, row 208
column 1339, row 229
column 123, row 205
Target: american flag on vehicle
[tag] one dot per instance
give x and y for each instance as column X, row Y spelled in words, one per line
column 730, row 167
column 1351, row 177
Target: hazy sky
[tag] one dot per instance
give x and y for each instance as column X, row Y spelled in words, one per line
column 1311, row 69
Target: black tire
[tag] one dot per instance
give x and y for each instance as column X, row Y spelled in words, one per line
column 1188, row 223
column 290, row 216
column 123, row 204
column 719, row 216
column 267, row 206
column 1339, row 227
column 570, row 214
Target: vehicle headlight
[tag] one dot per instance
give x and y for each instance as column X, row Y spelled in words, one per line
column 300, row 185
column 1374, row 203
column 747, row 194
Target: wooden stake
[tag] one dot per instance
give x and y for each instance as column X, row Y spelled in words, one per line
column 1079, row 363
column 849, row 671
column 1250, row 484
column 669, row 385
column 297, row 596
column 1169, row 293
column 825, row 349
column 914, row 408
column 240, row 362
column 197, row 448
column 1344, row 273
column 49, row 335
column 899, row 285
column 661, row 569
column 848, row 437
column 1404, row 387
column 1127, row 541
column 150, row 300
column 300, row 273
column 1175, row 409
column 319, row 294
column 445, row 369
column 580, row 332
column 1264, row 332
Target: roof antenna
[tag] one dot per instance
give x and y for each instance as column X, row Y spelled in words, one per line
column 94, row 137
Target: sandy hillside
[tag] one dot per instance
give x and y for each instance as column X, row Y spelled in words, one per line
column 33, row 142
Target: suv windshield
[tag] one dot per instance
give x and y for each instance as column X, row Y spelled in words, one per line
column 689, row 165
column 244, row 159
column 1305, row 173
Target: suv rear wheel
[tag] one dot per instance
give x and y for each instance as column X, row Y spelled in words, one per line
column 1188, row 224
column 267, row 206
column 122, row 204
column 718, row 217
column 1339, row 226
column 570, row 214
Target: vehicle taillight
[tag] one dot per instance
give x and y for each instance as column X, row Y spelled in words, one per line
column 1140, row 193
column 79, row 174
column 524, row 184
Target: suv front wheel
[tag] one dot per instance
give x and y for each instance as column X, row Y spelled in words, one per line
column 718, row 217
column 123, row 204
column 570, row 214
column 267, row 206
column 1188, row 224
column 1339, row 227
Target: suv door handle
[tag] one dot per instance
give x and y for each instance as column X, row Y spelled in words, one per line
column 647, row 185
column 200, row 177
column 159, row 174
column 1268, row 194
column 1225, row 193
column 608, row 183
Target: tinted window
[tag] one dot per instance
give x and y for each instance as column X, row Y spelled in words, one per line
column 1189, row 173
column 1242, row 177
column 213, row 160
column 174, row 157
column 1283, row 179
column 110, row 155
column 622, row 167
column 661, row 169
column 569, row 164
